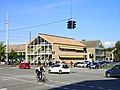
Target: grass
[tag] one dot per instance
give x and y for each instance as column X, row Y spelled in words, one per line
column 108, row 66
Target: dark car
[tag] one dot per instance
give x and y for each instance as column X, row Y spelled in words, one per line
column 104, row 63
column 24, row 66
column 93, row 65
column 114, row 71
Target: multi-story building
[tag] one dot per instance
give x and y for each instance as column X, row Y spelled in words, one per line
column 95, row 50
column 20, row 49
column 109, row 56
column 46, row 47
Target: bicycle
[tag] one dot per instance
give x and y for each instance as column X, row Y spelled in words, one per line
column 44, row 79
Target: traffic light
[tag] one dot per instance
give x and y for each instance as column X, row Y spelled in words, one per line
column 71, row 24
column 74, row 24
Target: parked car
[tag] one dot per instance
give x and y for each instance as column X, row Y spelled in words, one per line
column 59, row 68
column 104, row 63
column 24, row 65
column 93, row 65
column 114, row 71
column 81, row 64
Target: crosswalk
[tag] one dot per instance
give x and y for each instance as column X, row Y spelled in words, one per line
column 3, row 88
column 31, row 80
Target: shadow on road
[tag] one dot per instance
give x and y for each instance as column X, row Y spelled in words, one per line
column 108, row 84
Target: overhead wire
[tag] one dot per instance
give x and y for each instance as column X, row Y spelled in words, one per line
column 14, row 36
column 36, row 25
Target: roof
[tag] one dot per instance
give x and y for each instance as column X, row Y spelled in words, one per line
column 90, row 44
column 61, row 40
column 20, row 47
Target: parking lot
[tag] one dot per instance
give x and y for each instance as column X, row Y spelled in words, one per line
column 13, row 78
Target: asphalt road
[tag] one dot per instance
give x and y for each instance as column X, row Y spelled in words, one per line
column 12, row 78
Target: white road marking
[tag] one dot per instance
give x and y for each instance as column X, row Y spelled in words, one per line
column 74, row 89
column 62, row 82
column 91, row 86
column 82, row 85
column 100, row 88
column 3, row 89
column 66, row 88
column 110, row 89
column 69, row 83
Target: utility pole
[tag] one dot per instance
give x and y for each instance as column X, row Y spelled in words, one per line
column 6, row 29
column 30, row 47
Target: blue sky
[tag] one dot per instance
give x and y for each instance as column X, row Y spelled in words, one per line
column 95, row 19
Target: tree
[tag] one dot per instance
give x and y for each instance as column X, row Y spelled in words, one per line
column 13, row 56
column 2, row 52
column 109, row 49
column 117, row 51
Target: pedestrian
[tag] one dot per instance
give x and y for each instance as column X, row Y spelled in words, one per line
column 71, row 63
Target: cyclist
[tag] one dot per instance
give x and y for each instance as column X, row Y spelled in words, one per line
column 39, row 71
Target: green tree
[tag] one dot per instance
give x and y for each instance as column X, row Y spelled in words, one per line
column 2, row 52
column 13, row 56
column 109, row 49
column 117, row 51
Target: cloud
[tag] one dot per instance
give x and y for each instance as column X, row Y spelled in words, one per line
column 35, row 9
column 109, row 44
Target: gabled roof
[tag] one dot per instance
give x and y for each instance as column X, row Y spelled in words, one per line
column 90, row 44
column 61, row 40
column 17, row 48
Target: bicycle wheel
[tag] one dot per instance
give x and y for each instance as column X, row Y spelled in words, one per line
column 44, row 78
column 38, row 78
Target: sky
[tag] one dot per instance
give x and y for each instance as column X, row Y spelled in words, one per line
column 95, row 19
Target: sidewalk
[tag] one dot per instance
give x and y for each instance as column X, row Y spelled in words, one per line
column 2, row 66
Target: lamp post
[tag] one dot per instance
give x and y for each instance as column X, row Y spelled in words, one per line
column 6, row 29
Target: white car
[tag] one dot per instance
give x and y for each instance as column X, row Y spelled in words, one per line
column 59, row 68
column 81, row 64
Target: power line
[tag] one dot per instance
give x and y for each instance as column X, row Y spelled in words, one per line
column 36, row 25
column 14, row 36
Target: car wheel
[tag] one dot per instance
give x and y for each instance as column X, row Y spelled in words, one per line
column 60, row 72
column 108, row 75
column 49, row 71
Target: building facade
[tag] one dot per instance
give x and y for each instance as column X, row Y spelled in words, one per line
column 95, row 50
column 20, row 49
column 46, row 48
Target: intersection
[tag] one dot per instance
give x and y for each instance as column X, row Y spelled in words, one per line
column 12, row 78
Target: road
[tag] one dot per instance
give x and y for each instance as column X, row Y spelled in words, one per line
column 12, row 78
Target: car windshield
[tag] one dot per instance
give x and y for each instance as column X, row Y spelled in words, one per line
column 65, row 66
column 95, row 63
column 56, row 65
column 116, row 67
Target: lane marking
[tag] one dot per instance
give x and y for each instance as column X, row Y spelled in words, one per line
column 100, row 88
column 82, row 85
column 91, row 86
column 74, row 89
column 66, row 88
column 110, row 89
column 3, row 89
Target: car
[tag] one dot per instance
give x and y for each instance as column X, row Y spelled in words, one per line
column 114, row 71
column 24, row 66
column 81, row 64
column 93, row 65
column 59, row 68
column 104, row 63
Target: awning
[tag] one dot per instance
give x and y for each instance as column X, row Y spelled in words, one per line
column 72, row 56
column 81, row 49
column 75, row 48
